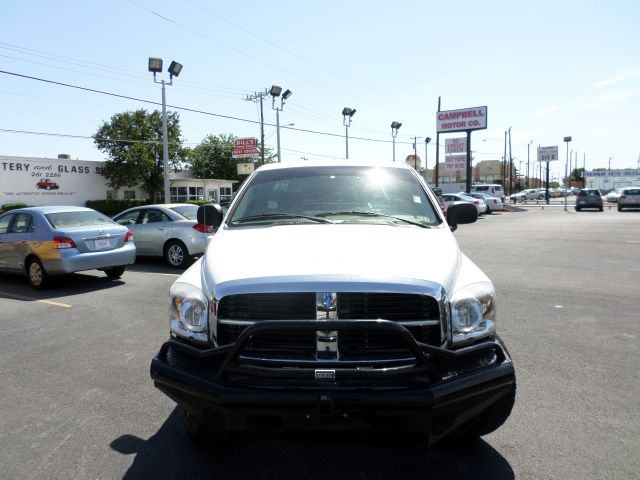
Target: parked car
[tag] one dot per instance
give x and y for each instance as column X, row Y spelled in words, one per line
column 534, row 194
column 613, row 195
column 588, row 198
column 493, row 203
column 479, row 203
column 629, row 198
column 42, row 242
column 47, row 184
column 337, row 323
column 494, row 189
column 167, row 230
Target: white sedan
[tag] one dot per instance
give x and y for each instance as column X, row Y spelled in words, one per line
column 493, row 203
column 461, row 197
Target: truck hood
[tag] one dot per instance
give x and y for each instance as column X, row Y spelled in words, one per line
column 244, row 260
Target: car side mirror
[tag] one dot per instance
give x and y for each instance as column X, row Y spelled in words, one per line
column 459, row 213
column 210, row 215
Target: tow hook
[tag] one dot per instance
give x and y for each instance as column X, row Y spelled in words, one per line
column 325, row 406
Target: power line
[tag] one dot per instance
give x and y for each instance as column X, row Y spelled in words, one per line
column 192, row 110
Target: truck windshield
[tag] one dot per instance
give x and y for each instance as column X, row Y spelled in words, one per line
column 345, row 194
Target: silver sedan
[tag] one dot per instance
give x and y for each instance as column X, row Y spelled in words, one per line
column 42, row 242
column 167, row 230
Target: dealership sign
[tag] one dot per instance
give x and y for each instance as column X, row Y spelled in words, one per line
column 455, row 162
column 547, row 154
column 245, row 148
column 461, row 120
column 455, row 145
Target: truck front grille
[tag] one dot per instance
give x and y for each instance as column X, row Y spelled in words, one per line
column 419, row 313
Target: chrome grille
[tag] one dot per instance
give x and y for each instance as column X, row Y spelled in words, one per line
column 236, row 311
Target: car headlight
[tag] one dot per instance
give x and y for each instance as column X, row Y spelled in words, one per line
column 188, row 312
column 473, row 312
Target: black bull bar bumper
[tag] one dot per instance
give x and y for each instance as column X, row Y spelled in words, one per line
column 432, row 389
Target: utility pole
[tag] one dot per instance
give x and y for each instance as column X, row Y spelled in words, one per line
column 438, row 150
column 510, row 164
column 258, row 96
column 504, row 165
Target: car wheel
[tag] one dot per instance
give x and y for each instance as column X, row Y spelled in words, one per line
column 212, row 433
column 601, row 209
column 36, row 274
column 577, row 209
column 175, row 254
column 114, row 272
column 619, row 207
column 490, row 419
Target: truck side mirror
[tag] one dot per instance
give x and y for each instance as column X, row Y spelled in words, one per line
column 459, row 213
column 210, row 215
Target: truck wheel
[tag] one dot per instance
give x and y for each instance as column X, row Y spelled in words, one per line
column 203, row 434
column 175, row 254
column 489, row 420
column 114, row 273
column 36, row 274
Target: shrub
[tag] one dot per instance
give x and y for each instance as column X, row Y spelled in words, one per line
column 113, row 207
column 12, row 206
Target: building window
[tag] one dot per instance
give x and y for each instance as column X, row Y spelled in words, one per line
column 178, row 194
column 225, row 194
column 213, row 195
column 112, row 195
column 129, row 194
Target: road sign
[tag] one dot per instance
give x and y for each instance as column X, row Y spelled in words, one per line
column 455, row 162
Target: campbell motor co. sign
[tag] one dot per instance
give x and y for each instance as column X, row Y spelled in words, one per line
column 461, row 120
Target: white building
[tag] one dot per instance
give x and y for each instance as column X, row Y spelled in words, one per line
column 607, row 180
column 63, row 181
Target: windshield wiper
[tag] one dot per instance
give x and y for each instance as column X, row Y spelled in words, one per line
column 277, row 216
column 375, row 214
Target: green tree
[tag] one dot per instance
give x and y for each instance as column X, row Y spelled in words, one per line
column 213, row 158
column 133, row 143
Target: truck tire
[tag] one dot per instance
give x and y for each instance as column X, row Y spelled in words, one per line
column 489, row 420
column 213, row 433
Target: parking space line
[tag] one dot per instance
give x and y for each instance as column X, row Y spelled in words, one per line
column 31, row 299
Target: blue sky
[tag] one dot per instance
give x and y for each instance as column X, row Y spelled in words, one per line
column 545, row 69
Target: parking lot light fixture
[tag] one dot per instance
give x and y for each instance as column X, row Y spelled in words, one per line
column 394, row 133
column 155, row 66
column 275, row 93
column 347, row 115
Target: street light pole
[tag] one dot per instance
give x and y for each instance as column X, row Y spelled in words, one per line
column 394, row 133
column 426, row 165
column 566, row 165
column 275, row 93
column 155, row 66
column 527, row 179
column 415, row 153
column 347, row 115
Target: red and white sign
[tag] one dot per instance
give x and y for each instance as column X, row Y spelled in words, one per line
column 455, row 145
column 245, row 148
column 461, row 120
column 455, row 162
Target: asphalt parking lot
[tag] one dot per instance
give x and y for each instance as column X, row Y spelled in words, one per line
column 77, row 401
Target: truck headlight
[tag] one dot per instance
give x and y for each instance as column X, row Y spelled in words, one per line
column 188, row 312
column 473, row 312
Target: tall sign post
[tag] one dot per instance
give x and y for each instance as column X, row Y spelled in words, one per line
column 547, row 154
column 464, row 120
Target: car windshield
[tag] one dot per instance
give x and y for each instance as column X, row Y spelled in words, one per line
column 187, row 211
column 78, row 219
column 335, row 194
